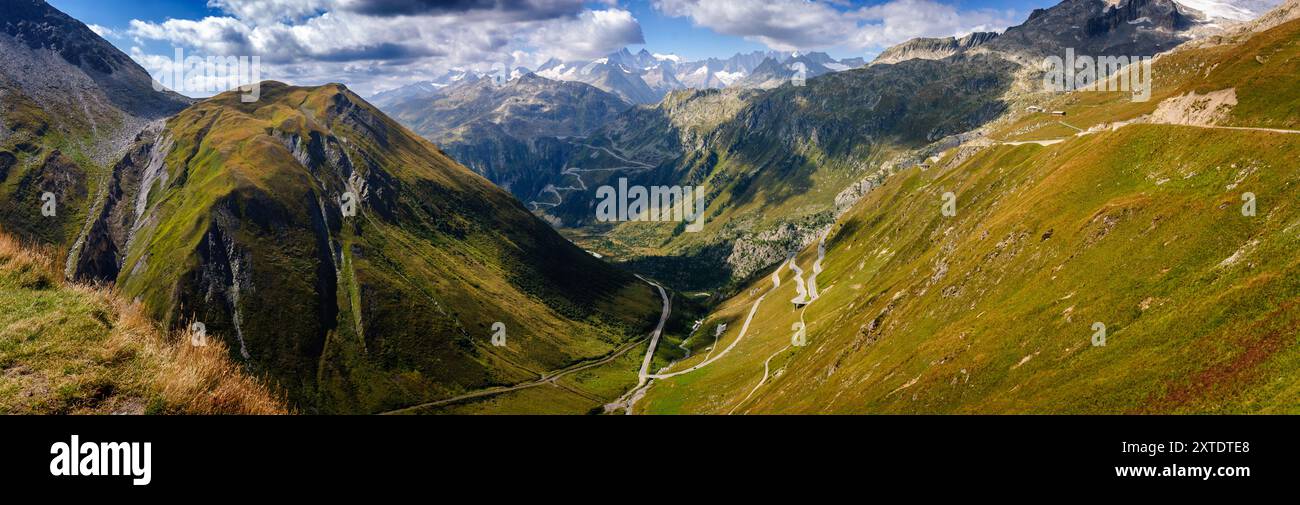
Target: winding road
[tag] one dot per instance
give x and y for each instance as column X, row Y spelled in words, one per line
column 766, row 367
column 654, row 337
column 635, row 166
column 551, row 377
column 1048, row 142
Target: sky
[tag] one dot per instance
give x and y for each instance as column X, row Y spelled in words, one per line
column 374, row 45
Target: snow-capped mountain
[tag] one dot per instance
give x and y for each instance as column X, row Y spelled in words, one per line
column 422, row 89
column 645, row 77
column 1230, row 10
column 773, row 73
column 611, row 74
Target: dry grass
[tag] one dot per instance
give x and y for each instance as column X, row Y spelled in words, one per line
column 94, row 352
column 191, row 379
column 30, row 264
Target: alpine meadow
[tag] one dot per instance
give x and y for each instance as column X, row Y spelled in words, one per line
column 649, row 207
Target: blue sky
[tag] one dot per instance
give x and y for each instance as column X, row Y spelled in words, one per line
column 377, row 44
column 679, row 35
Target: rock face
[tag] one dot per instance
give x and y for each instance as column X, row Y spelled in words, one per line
column 75, row 75
column 1196, row 109
column 345, row 257
column 70, row 106
column 774, row 73
column 513, row 133
column 1097, row 28
column 932, row 48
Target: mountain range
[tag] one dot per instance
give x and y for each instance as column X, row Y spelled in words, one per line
column 509, row 132
column 779, row 140
column 933, row 232
column 1107, row 260
column 72, row 103
column 643, row 77
column 330, row 249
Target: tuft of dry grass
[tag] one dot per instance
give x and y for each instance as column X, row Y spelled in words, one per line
column 192, row 379
column 29, row 264
column 91, row 351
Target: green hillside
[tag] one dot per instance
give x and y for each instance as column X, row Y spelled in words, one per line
column 75, row 349
column 774, row 164
column 992, row 310
column 69, row 103
column 241, row 227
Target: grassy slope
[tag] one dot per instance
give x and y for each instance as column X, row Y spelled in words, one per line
column 44, row 153
column 69, row 349
column 992, row 310
column 434, row 257
column 788, row 152
column 1262, row 68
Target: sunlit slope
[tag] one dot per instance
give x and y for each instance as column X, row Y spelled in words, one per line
column 243, row 230
column 75, row 349
column 1139, row 228
column 69, row 103
column 1260, row 71
column 993, row 310
column 774, row 167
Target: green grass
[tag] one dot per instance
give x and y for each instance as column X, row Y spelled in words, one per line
column 1140, row 227
column 387, row 309
column 1261, row 69
column 69, row 349
column 991, row 311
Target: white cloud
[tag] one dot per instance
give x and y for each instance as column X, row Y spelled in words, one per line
column 784, row 25
column 590, row 35
column 102, row 31
column 364, row 43
column 272, row 10
column 789, row 25
column 897, row 21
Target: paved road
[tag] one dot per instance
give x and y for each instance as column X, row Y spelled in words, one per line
column 577, row 172
column 1039, row 142
column 547, row 379
column 654, row 337
column 551, row 377
column 766, row 367
column 1048, row 142
column 743, row 330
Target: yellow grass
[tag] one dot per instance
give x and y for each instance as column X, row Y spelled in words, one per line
column 132, row 357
